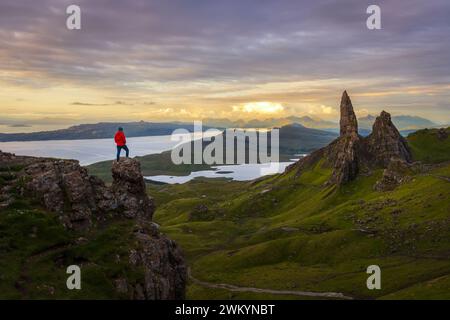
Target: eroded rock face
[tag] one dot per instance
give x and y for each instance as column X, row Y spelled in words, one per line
column 64, row 187
column 348, row 122
column 165, row 270
column 350, row 154
column 386, row 143
column 343, row 154
column 80, row 200
column 129, row 189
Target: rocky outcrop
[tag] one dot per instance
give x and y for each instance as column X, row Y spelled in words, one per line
column 442, row 134
column 386, row 143
column 344, row 153
column 64, row 187
column 80, row 200
column 348, row 122
column 350, row 154
column 84, row 202
column 162, row 260
column 397, row 172
column 129, row 190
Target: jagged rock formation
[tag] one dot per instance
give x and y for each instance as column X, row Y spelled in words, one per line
column 386, row 143
column 351, row 154
column 344, row 153
column 129, row 190
column 83, row 202
column 64, row 187
column 162, row 260
column 348, row 122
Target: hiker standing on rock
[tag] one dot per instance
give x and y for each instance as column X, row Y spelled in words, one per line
column 121, row 142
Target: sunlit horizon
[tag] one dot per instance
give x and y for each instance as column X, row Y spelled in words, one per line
column 186, row 61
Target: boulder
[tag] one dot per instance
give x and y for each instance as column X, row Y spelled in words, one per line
column 397, row 172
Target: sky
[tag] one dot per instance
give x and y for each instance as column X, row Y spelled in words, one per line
column 239, row 59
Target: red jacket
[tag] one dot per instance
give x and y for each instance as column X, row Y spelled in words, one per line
column 120, row 139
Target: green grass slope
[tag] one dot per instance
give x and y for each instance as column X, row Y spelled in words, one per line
column 429, row 146
column 288, row 233
column 35, row 250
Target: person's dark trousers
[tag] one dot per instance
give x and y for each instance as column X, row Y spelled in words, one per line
column 119, row 149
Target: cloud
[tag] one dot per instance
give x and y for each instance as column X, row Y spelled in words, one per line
column 263, row 107
column 203, row 56
column 88, row 104
column 100, row 104
column 19, row 125
column 322, row 110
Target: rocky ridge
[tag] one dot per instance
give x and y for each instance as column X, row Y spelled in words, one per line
column 83, row 203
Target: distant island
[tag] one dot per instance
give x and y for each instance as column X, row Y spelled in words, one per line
column 100, row 130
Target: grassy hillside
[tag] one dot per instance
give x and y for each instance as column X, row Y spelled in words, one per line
column 278, row 233
column 288, row 233
column 430, row 145
column 32, row 240
column 35, row 250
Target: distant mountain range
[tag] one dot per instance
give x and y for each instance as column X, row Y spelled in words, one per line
column 402, row 122
column 406, row 124
column 306, row 121
column 100, row 130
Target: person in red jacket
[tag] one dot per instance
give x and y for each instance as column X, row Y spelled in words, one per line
column 121, row 142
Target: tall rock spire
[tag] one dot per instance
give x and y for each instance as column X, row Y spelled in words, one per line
column 351, row 154
column 348, row 123
column 344, row 153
